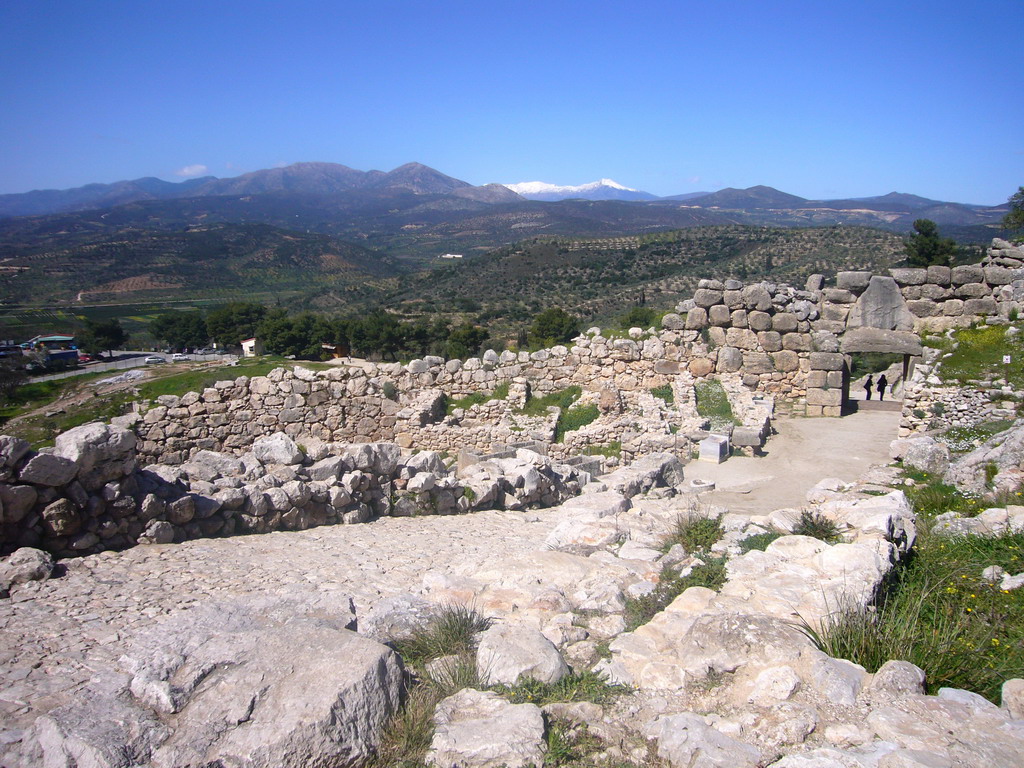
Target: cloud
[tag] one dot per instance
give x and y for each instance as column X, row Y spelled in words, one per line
column 191, row 170
column 694, row 179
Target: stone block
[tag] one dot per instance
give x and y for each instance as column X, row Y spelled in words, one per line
column 838, row 296
column 700, row 367
column 881, row 306
column 909, row 276
column 998, row 275
column 853, row 281
column 770, row 341
column 706, row 297
column 832, row 411
column 672, row 322
column 971, row 291
column 824, row 397
column 742, row 338
column 786, row 361
column 696, row 319
column 827, row 361
column 938, row 275
column 814, row 283
column 719, row 315
column 835, row 312
column 714, row 448
column 759, row 321
column 983, row 306
column 732, row 298
column 936, row 292
column 757, row 297
column 730, row 360
column 784, row 322
column 739, row 318
column 833, row 379
column 747, row 437
column 953, row 307
column 877, row 340
column 816, row 379
column 968, row 273
column 798, row 342
column 717, row 336
column 757, row 363
column 923, row 308
column 814, row 410
column 666, row 367
column 824, row 341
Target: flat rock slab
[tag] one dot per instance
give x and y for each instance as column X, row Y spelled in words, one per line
column 254, row 683
column 479, row 729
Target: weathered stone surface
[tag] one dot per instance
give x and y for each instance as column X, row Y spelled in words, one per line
column 277, row 448
column 94, row 443
column 259, row 684
column 729, row 359
column 926, row 455
column 24, row 565
column 48, row 469
column 479, row 729
column 827, row 361
column 881, row 305
column 687, row 740
column 880, row 340
column 909, row 276
column 508, row 652
column 853, row 281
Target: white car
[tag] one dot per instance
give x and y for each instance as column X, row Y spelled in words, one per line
column 179, row 357
column 154, row 360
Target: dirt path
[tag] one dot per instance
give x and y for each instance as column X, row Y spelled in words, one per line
column 803, row 452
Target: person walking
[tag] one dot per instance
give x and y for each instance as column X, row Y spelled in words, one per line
column 867, row 387
column 882, row 384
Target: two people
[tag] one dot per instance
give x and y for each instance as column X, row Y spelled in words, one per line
column 881, row 384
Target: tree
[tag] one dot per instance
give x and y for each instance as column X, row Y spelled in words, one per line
column 1014, row 220
column 12, row 376
column 302, row 336
column 465, row 340
column 181, row 330
column 553, row 326
column 926, row 248
column 231, row 324
column 102, row 336
column 638, row 317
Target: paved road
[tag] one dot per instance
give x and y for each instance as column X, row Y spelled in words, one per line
column 123, row 361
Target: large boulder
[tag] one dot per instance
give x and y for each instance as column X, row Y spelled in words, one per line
column 103, row 452
column 47, row 469
column 277, row 448
column 686, row 740
column 881, row 306
column 263, row 683
column 25, row 564
column 1004, row 451
column 508, row 652
column 479, row 729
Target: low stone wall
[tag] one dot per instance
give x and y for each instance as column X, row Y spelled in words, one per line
column 88, row 494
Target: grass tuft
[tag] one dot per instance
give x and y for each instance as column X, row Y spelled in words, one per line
column 817, row 526
column 695, row 533
column 640, row 610
column 713, row 404
column 574, row 418
column 577, row 686
column 451, row 631
column 665, row 393
column 759, row 541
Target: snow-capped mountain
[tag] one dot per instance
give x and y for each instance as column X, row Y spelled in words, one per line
column 605, row 189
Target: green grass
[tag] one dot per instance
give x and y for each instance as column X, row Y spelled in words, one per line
column 577, row 686
column 501, row 391
column 759, row 541
column 36, row 394
column 966, row 439
column 930, row 496
column 979, row 354
column 196, row 380
column 451, row 631
column 938, row 613
column 713, row 404
column 467, row 402
column 640, row 610
column 573, row 418
column 564, row 398
column 665, row 393
column 612, row 450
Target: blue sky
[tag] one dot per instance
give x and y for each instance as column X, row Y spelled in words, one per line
column 820, row 99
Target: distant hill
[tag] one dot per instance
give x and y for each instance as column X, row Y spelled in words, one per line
column 752, row 197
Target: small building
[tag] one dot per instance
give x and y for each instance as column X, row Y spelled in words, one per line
column 54, row 341
column 450, row 256
column 252, row 347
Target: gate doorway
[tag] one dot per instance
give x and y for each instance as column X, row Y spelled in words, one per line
column 877, row 377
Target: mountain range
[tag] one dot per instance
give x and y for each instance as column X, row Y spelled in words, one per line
column 605, row 189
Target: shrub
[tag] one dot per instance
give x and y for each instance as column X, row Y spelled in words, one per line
column 640, row 610
column 613, row 449
column 695, row 533
column 817, row 526
column 759, row 541
column 578, row 686
column 500, row 391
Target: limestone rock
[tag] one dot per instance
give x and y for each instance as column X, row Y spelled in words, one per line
column 479, row 729
column 277, row 448
column 48, row 469
column 508, row 652
column 685, row 740
column 23, row 565
column 881, row 306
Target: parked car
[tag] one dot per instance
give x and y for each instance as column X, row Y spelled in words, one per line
column 179, row 357
column 205, row 351
column 154, row 360
column 84, row 358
